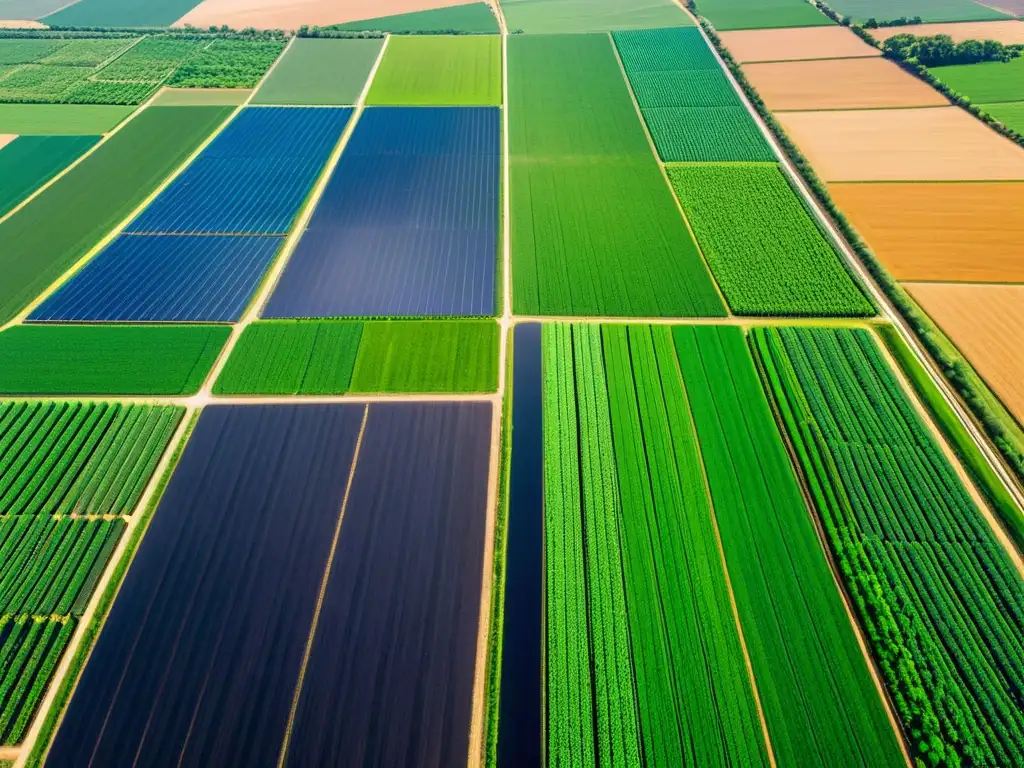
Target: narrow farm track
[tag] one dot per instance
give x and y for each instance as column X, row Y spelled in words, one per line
column 476, row 734
column 889, row 312
column 63, row 669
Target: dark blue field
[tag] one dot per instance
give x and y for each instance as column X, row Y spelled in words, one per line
column 165, row 278
column 408, row 224
column 254, row 176
column 198, row 661
column 520, row 720
column 390, row 676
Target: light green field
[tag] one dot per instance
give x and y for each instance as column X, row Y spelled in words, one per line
column 472, row 18
column 1010, row 114
column 201, row 97
column 574, row 16
column 928, row 10
column 761, row 14
column 320, row 71
column 425, row 70
column 987, row 82
column 60, row 119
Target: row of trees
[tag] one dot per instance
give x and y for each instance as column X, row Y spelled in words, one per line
column 938, row 50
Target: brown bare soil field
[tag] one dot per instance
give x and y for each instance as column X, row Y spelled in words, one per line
column 986, row 322
column 794, row 44
column 840, row 84
column 7, row 138
column 291, row 14
column 931, row 144
column 20, row 24
column 1009, row 31
column 947, row 232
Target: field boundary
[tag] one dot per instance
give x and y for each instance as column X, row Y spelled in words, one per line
column 76, row 655
column 879, row 296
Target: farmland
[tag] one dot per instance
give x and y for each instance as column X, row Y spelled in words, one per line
column 98, row 193
column 864, row 83
column 911, row 543
column 930, row 144
column 30, row 648
column 985, row 323
column 585, row 160
column 927, row 10
column 810, row 671
column 764, row 250
column 1010, row 114
column 940, row 232
column 1007, row 31
column 121, row 13
column 387, row 214
column 578, row 16
column 439, row 71
column 107, row 360
column 320, row 72
column 761, row 14
column 60, row 119
column 79, row 458
column 334, row 357
column 795, row 44
column 465, row 18
column 987, row 82
column 30, row 161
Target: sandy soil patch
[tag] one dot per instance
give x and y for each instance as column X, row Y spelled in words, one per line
column 7, row 138
column 971, row 232
column 291, row 14
column 193, row 97
column 21, row 24
column 840, row 84
column 986, row 322
column 1008, row 31
column 933, row 144
column 795, row 44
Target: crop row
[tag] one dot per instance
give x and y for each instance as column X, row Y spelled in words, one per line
column 940, row 601
column 635, row 588
column 50, row 567
column 765, row 251
column 79, row 458
column 30, row 648
column 820, row 704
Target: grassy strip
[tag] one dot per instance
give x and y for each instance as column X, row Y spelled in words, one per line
column 998, row 424
column 60, row 701
column 977, row 465
column 108, row 360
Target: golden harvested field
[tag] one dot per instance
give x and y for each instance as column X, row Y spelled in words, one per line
column 986, row 322
column 955, row 232
column 1009, row 31
column 839, row 84
column 949, row 232
column 794, row 44
column 6, row 138
column 931, row 144
column 291, row 14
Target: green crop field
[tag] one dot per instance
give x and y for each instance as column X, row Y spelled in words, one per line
column 594, row 228
column 440, row 71
column 471, row 18
column 811, row 673
column 706, row 134
column 60, row 119
column 641, row 644
column 120, row 13
column 427, row 356
column 29, row 651
column 79, row 458
column 227, row 64
column 33, row 83
column 683, row 88
column 928, row 10
column 95, row 196
column 27, row 51
column 152, row 60
column 108, row 360
column 51, row 566
column 28, row 162
column 1009, row 114
column 320, row 71
column 577, row 16
column 664, row 50
column 87, row 52
column 987, row 82
column 767, row 254
column 762, row 14
column 292, row 357
column 941, row 602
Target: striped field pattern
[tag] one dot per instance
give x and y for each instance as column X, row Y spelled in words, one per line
column 254, row 176
column 165, row 278
column 408, row 224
